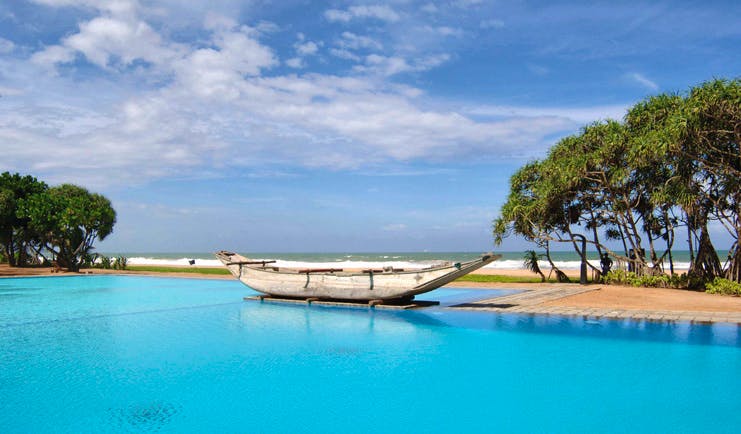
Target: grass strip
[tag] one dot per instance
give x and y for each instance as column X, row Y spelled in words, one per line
column 497, row 278
column 192, row 270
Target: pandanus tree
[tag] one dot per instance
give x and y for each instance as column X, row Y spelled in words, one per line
column 674, row 162
column 530, row 261
column 712, row 114
column 695, row 140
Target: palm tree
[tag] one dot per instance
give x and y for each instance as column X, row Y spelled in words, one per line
column 531, row 263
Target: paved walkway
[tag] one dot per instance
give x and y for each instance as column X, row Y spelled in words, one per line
column 532, row 302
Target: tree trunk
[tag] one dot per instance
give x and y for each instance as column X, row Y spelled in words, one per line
column 707, row 265
column 583, row 254
column 734, row 263
column 561, row 277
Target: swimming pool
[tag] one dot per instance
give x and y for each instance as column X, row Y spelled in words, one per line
column 140, row 354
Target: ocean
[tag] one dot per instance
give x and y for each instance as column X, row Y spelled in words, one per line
column 509, row 260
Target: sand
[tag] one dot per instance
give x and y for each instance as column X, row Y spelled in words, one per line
column 661, row 299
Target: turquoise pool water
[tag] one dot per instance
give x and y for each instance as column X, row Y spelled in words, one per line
column 136, row 354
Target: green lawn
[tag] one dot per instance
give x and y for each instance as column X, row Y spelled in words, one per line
column 496, row 278
column 194, row 270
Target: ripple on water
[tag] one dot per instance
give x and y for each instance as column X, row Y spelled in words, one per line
column 149, row 416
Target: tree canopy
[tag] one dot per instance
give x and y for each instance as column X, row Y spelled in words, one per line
column 674, row 163
column 15, row 236
column 36, row 220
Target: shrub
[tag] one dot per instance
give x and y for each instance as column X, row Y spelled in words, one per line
column 723, row 286
column 88, row 260
column 622, row 277
column 120, row 263
column 105, row 262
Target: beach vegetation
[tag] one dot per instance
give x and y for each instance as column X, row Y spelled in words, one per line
column 724, row 286
column 671, row 167
column 89, row 260
column 18, row 241
column 105, row 262
column 531, row 258
column 67, row 220
column 120, row 263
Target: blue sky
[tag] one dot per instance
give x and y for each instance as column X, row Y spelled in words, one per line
column 327, row 126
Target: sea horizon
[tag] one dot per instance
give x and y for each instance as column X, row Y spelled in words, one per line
column 511, row 260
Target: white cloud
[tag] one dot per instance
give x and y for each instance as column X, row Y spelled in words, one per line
column 218, row 22
column 207, row 108
column 295, row 62
column 384, row 65
column 467, row 3
column 117, row 7
column 6, row 46
column 50, row 56
column 10, row 91
column 394, row 227
column 392, row 65
column 344, row 54
column 643, row 81
column 352, row 41
column 380, row 12
column 307, row 48
column 445, row 31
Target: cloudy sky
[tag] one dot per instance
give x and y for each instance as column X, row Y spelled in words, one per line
column 291, row 125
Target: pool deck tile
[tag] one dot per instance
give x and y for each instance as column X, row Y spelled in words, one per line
column 532, row 302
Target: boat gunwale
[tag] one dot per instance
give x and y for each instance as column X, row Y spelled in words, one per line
column 353, row 273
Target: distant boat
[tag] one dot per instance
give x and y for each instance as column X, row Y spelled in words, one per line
column 335, row 284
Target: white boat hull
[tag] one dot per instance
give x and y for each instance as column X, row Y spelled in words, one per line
column 338, row 285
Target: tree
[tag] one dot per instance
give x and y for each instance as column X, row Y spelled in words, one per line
column 68, row 220
column 712, row 138
column 15, row 235
column 531, row 263
column 674, row 162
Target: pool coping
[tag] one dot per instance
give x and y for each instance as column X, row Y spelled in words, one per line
column 532, row 302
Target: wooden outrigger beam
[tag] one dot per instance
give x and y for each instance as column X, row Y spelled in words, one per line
column 250, row 263
column 320, row 270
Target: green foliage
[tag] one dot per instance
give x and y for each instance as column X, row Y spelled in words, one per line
column 15, row 235
column 673, row 163
column 89, row 260
column 622, row 277
column 530, row 262
column 723, row 286
column 105, row 263
column 69, row 219
column 120, row 263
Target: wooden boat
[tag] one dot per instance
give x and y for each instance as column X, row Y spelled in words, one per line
column 336, row 284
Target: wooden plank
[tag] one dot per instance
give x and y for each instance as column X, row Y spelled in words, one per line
column 320, row 270
column 415, row 304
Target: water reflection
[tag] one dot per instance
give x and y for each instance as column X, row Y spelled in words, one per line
column 313, row 318
column 666, row 331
